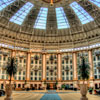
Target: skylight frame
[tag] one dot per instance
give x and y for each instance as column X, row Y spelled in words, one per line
column 83, row 15
column 5, row 3
column 41, row 20
column 21, row 14
column 96, row 2
column 62, row 21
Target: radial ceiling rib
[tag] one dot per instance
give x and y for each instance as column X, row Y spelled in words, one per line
column 93, row 11
column 41, row 20
column 62, row 21
column 5, row 3
column 51, row 20
column 96, row 2
column 30, row 19
column 72, row 18
column 81, row 13
column 19, row 17
column 12, row 9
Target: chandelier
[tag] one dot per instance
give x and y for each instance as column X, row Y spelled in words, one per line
column 51, row 1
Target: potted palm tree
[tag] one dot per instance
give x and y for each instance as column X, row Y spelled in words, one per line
column 11, row 69
column 84, row 71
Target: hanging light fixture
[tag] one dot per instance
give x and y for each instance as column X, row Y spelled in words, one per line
column 51, row 2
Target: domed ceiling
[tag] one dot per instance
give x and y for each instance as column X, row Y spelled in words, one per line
column 50, row 24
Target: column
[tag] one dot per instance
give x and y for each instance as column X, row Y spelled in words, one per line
column 91, row 65
column 44, row 67
column 44, row 70
column 59, row 71
column 91, row 68
column 59, row 67
column 75, row 76
column 28, row 66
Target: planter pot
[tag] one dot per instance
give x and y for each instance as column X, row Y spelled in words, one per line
column 83, row 90
column 8, row 91
column 63, row 89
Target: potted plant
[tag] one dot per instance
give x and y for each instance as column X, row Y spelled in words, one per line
column 63, row 86
column 11, row 69
column 84, row 71
column 56, row 85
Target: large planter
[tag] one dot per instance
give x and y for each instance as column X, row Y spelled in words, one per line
column 83, row 90
column 8, row 91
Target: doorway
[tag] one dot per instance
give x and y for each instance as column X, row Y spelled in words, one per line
column 51, row 86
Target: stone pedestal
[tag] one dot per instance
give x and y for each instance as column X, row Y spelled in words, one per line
column 8, row 90
column 84, row 98
column 8, row 98
column 58, row 85
column 83, row 90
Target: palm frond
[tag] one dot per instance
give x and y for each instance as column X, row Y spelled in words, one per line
column 84, row 69
column 11, row 67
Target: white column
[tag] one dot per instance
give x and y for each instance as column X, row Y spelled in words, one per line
column 59, row 67
column 75, row 76
column 91, row 65
column 44, row 67
column 28, row 66
column 91, row 68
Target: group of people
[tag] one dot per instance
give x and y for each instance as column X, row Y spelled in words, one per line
column 97, row 92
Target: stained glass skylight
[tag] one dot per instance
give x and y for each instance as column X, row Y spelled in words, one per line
column 62, row 21
column 96, row 2
column 19, row 17
column 81, row 13
column 41, row 20
column 5, row 3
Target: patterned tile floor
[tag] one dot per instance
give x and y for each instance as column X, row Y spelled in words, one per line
column 50, row 96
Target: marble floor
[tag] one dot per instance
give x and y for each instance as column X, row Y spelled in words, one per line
column 50, row 96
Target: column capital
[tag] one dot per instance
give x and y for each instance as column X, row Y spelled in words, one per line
column 75, row 52
column 13, row 53
column 44, row 53
column 90, row 50
column 59, row 53
column 29, row 52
